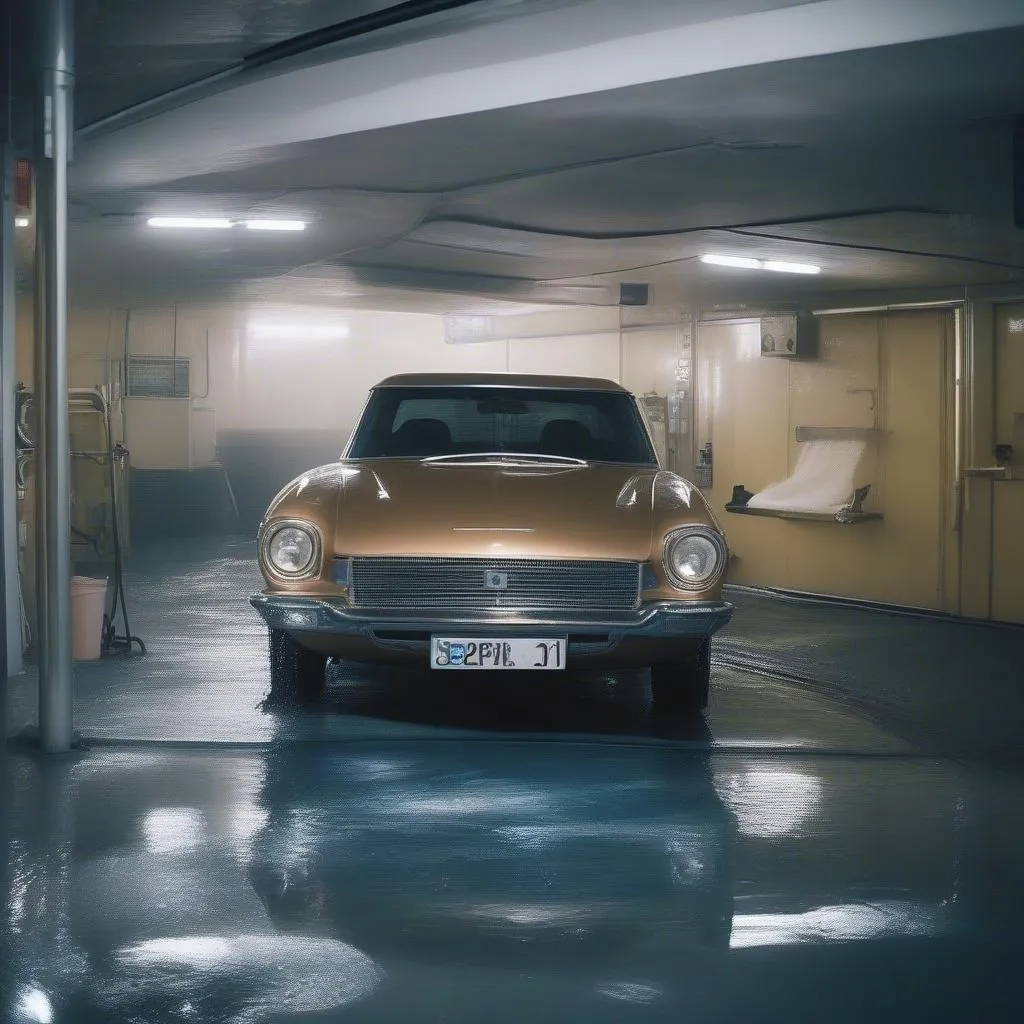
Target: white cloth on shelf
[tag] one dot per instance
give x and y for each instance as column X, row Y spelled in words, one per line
column 822, row 481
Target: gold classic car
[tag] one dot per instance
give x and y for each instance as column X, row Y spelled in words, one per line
column 495, row 522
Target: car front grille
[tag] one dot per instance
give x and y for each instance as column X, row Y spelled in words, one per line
column 450, row 584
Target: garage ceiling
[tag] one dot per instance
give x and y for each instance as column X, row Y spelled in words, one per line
column 888, row 165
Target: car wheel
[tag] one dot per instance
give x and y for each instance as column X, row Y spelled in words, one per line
column 295, row 673
column 681, row 686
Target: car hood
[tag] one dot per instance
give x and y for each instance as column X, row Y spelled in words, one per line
column 405, row 507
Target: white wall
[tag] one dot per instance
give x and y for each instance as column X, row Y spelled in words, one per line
column 594, row 355
column 291, row 384
column 252, row 381
column 322, row 384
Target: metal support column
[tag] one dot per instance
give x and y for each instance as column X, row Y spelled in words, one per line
column 10, row 590
column 53, row 460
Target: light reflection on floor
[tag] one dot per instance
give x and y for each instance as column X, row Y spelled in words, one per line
column 421, row 849
column 503, row 878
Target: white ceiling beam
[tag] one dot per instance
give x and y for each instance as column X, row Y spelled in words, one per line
column 527, row 60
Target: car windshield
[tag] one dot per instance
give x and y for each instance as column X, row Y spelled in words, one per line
column 431, row 422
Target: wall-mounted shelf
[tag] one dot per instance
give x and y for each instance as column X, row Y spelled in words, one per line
column 841, row 517
column 848, row 515
column 804, row 434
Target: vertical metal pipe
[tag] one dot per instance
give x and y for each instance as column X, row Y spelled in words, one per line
column 10, row 589
column 53, row 460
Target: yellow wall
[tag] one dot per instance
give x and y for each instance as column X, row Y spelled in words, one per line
column 750, row 407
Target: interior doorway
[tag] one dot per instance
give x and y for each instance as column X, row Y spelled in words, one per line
column 1008, row 493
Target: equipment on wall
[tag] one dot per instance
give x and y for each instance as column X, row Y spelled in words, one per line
column 115, row 457
column 634, row 294
column 787, row 335
column 111, row 641
column 704, row 470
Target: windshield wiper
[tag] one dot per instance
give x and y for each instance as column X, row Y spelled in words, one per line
column 503, row 458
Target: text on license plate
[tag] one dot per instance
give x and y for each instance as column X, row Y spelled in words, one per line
column 498, row 653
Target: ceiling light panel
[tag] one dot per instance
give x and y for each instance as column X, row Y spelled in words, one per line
column 189, row 222
column 275, row 225
column 263, row 224
column 732, row 261
column 749, row 263
column 791, row 268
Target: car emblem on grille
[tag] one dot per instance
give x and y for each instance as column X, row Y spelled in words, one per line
column 495, row 580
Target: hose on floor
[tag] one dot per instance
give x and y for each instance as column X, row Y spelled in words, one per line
column 112, row 643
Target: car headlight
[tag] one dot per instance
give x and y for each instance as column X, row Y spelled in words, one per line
column 292, row 549
column 694, row 558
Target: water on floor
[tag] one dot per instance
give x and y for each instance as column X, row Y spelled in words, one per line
column 415, row 849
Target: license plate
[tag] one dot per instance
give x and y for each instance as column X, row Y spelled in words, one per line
column 498, row 653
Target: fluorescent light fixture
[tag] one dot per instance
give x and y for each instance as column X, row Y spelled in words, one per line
column 732, row 261
column 188, row 222
column 21, row 222
column 749, row 263
column 276, row 225
column 792, row 268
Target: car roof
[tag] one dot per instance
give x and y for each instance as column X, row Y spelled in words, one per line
column 507, row 380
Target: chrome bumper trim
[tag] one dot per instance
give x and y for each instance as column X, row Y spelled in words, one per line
column 654, row 619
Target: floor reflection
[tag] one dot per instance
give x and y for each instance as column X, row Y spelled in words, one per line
column 496, row 854
column 464, row 849
column 504, row 880
column 603, row 704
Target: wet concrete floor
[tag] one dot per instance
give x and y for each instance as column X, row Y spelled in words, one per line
column 411, row 851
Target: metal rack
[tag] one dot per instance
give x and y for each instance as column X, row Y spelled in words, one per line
column 80, row 400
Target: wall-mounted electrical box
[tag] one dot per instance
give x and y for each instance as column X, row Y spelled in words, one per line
column 158, row 432
column 787, row 335
column 158, row 413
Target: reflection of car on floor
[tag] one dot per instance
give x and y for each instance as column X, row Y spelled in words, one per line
column 482, row 853
column 496, row 522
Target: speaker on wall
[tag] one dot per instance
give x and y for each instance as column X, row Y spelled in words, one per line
column 634, row 294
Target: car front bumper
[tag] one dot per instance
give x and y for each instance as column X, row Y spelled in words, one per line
column 655, row 619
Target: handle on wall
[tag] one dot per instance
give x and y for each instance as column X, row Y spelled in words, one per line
column 863, row 391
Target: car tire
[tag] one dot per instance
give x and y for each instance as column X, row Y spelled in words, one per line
column 682, row 686
column 295, row 673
